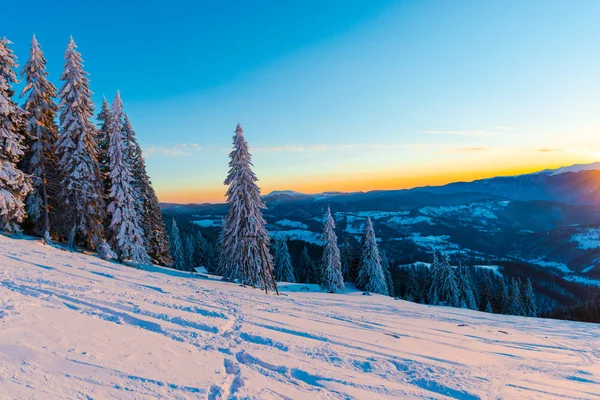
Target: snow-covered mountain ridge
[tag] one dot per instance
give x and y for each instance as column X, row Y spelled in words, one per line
column 73, row 326
column 547, row 172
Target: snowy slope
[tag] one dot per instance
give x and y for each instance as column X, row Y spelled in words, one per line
column 73, row 326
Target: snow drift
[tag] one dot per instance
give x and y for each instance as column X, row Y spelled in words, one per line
column 74, row 326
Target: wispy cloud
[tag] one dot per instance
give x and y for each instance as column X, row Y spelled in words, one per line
column 293, row 148
column 465, row 132
column 344, row 146
column 178, row 150
column 549, row 150
column 468, row 149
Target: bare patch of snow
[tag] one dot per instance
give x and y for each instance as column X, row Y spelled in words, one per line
column 206, row 223
column 588, row 238
column 291, row 224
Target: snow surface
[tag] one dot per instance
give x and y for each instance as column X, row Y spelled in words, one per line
column 206, row 223
column 477, row 211
column 572, row 168
column 298, row 234
column 291, row 224
column 588, row 238
column 551, row 264
column 74, row 326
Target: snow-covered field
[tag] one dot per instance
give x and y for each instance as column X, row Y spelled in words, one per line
column 74, row 326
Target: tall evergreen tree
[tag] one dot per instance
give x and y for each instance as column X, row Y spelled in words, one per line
column 448, row 286
column 307, row 268
column 487, row 292
column 331, row 276
column 387, row 271
column 516, row 302
column 153, row 225
column 530, row 308
column 433, row 280
column 284, row 271
column 189, row 249
column 412, row 292
column 370, row 273
column 465, row 288
column 504, row 297
column 177, row 251
column 14, row 185
column 245, row 240
column 102, row 140
column 77, row 152
column 42, row 133
column 125, row 225
column 488, row 308
column 349, row 259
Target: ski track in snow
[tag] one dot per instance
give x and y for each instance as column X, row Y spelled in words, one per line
column 74, row 326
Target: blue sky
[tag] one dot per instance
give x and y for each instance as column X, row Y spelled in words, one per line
column 337, row 95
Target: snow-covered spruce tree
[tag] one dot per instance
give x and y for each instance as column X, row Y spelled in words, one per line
column 387, row 271
column 153, row 225
column 189, row 248
column 413, row 292
column 349, row 257
column 448, row 286
column 370, row 272
column 488, row 308
column 204, row 253
column 102, row 140
column 284, row 270
column 487, row 291
column 465, row 288
column 516, row 302
column 245, row 240
column 42, row 135
column 177, row 251
column 528, row 296
column 306, row 268
column 331, row 275
column 77, row 152
column 125, row 221
column 433, row 280
column 504, row 297
column 14, row 185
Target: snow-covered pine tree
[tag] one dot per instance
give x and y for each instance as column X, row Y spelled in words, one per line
column 102, row 140
column 76, row 148
column 284, row 270
column 412, row 292
column 307, row 268
column 488, row 308
column 516, row 302
column 14, row 185
column 387, row 271
column 433, row 280
column 349, row 260
column 125, row 224
column 370, row 272
column 528, row 295
column 487, row 291
column 42, row 132
column 189, row 249
column 177, row 251
column 504, row 297
column 153, row 225
column 245, row 240
column 331, row 275
column 156, row 242
column 465, row 288
column 204, row 253
column 448, row 287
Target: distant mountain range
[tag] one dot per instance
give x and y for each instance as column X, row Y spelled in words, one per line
column 548, row 220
